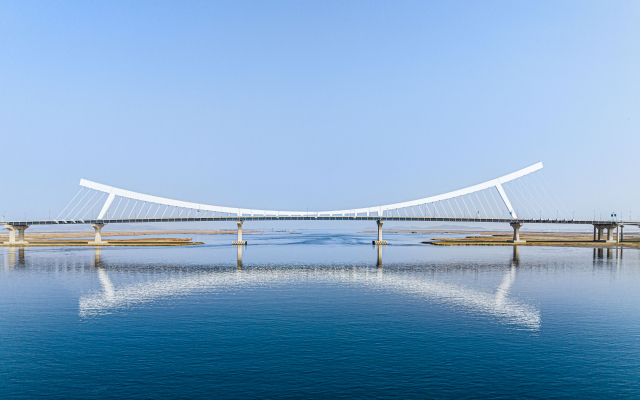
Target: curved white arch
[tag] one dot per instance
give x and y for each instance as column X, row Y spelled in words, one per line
column 380, row 210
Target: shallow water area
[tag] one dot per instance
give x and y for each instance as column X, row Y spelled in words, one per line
column 320, row 314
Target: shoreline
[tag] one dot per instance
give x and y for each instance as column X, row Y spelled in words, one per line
column 535, row 239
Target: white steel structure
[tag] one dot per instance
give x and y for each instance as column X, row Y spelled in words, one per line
column 159, row 207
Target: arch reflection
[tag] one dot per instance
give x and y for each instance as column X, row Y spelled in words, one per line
column 497, row 304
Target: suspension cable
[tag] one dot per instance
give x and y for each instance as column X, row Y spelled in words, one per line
column 74, row 197
column 535, row 184
column 489, row 204
column 94, row 204
column 79, row 201
column 550, row 198
column 530, row 194
column 444, row 209
column 530, row 204
column 494, row 200
column 465, row 205
column 118, row 205
column 87, row 203
column 458, row 205
column 452, row 210
column 515, row 195
column 479, row 201
column 553, row 191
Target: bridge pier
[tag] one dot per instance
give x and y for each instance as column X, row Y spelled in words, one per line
column 239, row 241
column 516, row 232
column 12, row 234
column 600, row 229
column 379, row 241
column 98, row 239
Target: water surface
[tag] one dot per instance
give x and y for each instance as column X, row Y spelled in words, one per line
column 321, row 314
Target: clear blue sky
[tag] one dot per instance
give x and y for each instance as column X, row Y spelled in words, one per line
column 325, row 105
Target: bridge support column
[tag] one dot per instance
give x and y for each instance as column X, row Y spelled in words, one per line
column 379, row 241
column 621, row 233
column 239, row 241
column 98, row 239
column 12, row 234
column 516, row 232
column 609, row 228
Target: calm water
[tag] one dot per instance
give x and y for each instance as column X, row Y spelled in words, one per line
column 319, row 315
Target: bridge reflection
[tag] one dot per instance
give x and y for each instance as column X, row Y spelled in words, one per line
column 599, row 253
column 10, row 258
column 496, row 304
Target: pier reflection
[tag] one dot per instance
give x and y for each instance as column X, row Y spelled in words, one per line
column 97, row 260
column 239, row 262
column 611, row 253
column 11, row 260
column 515, row 259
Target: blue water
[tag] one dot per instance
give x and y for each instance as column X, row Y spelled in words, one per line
column 317, row 315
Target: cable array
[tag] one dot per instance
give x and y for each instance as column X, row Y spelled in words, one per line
column 522, row 194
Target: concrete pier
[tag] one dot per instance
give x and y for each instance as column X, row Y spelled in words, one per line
column 600, row 228
column 12, row 234
column 379, row 241
column 239, row 241
column 98, row 239
column 516, row 232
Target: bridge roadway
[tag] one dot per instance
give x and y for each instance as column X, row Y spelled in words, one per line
column 320, row 218
column 599, row 226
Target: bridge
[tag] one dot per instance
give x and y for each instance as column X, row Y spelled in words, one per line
column 523, row 196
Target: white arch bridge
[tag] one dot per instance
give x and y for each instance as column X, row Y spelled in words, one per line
column 520, row 197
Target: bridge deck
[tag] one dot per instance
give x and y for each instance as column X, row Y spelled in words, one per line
column 318, row 218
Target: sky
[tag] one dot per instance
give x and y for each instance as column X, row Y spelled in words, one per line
column 319, row 105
